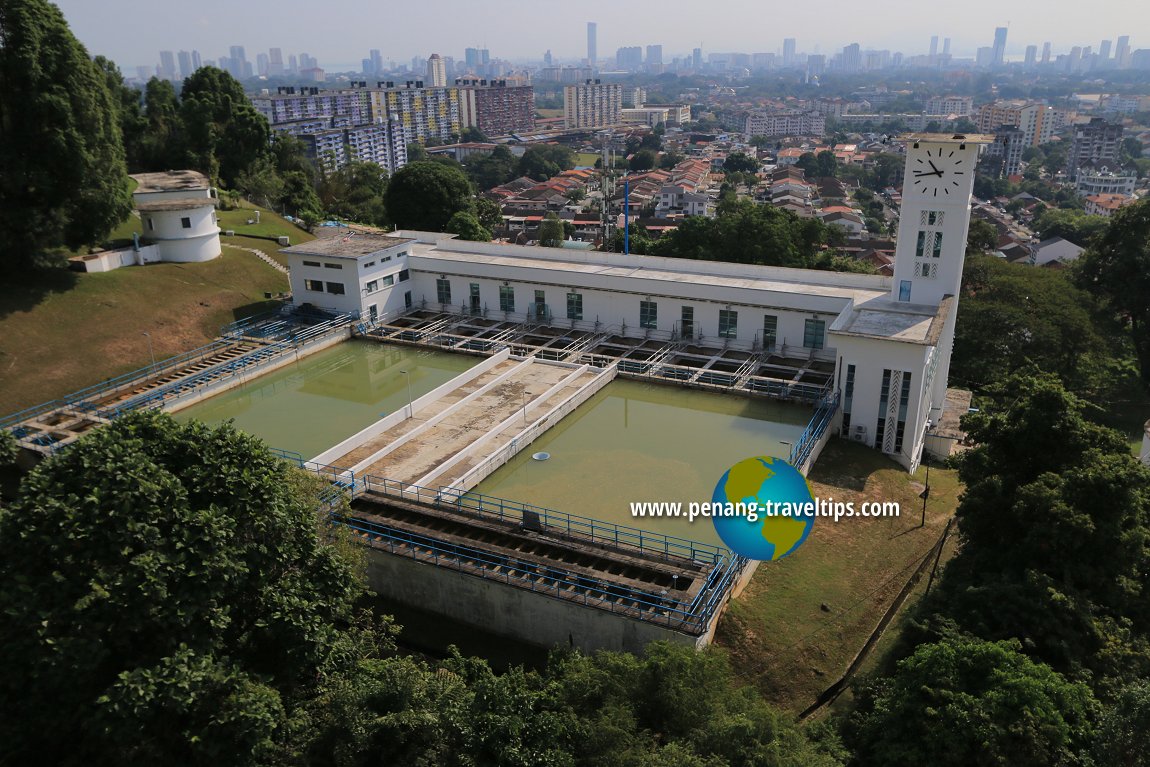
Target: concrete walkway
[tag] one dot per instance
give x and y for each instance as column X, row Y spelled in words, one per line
column 262, row 256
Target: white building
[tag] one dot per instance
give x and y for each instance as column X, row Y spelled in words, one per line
column 592, row 105
column 360, row 273
column 178, row 214
column 1103, row 181
column 889, row 339
column 759, row 123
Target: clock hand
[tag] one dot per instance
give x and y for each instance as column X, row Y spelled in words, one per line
column 934, row 167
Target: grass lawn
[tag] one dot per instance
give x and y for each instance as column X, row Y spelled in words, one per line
column 61, row 331
column 270, row 225
column 586, row 159
column 547, row 113
column 801, row 620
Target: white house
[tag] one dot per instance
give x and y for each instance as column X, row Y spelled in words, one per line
column 178, row 214
column 349, row 272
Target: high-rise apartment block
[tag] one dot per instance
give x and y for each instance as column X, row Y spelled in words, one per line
column 436, row 72
column 592, row 105
column 592, row 44
column 495, row 107
column 1037, row 121
column 1095, row 145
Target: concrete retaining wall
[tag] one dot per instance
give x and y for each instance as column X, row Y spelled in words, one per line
column 512, row 612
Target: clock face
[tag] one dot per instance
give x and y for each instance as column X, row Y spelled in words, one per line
column 939, row 172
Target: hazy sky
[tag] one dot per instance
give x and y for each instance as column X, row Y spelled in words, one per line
column 340, row 32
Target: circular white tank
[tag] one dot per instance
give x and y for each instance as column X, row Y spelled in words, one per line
column 183, row 234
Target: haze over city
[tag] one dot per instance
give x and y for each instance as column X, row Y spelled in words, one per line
column 340, row 33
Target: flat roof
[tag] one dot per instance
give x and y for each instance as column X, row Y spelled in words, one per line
column 170, row 181
column 889, row 320
column 954, row 138
column 348, row 246
column 641, row 271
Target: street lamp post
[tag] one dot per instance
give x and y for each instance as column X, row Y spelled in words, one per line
column 410, row 412
column 150, row 352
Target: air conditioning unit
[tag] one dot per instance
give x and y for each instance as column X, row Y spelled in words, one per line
column 858, row 433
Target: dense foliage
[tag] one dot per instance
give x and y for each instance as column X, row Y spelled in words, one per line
column 1116, row 267
column 172, row 598
column 425, row 195
column 63, row 178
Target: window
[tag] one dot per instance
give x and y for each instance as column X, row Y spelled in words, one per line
column 920, row 248
column 151, row 225
column 903, row 404
column 475, row 303
column 407, row 300
column 540, row 298
column 937, row 244
column 332, row 266
column 648, row 314
column 316, row 285
column 372, row 286
column 311, row 263
column 880, row 427
column 770, row 331
column 389, row 280
column 574, row 306
column 443, row 291
column 186, row 222
column 814, row 334
column 926, row 269
column 728, row 323
column 904, row 287
column 403, row 276
column 369, row 264
column 373, row 312
column 385, row 259
column 506, row 298
column 687, row 322
column 931, row 218
column 335, row 288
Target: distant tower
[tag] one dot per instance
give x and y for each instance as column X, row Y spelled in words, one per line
column 436, row 72
column 789, row 52
column 592, row 45
column 999, row 46
column 1122, row 52
column 933, row 50
column 1046, row 53
column 946, row 47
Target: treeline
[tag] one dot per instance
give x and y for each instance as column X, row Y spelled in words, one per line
column 1035, row 647
column 748, row 233
column 171, row 597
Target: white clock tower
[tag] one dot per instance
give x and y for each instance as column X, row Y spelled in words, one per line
column 935, row 217
column 894, row 350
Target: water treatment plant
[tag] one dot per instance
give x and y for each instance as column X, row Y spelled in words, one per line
column 422, row 374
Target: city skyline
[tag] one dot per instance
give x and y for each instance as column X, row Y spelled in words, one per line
column 188, row 27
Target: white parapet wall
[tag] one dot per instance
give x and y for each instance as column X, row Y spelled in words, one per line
column 499, row 457
column 382, row 425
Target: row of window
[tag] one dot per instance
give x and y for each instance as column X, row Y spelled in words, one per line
column 318, row 286
column 325, row 265
column 889, row 443
column 814, row 331
column 185, row 223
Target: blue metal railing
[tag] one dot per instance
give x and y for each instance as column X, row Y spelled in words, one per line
column 554, row 581
column 805, row 444
column 97, row 391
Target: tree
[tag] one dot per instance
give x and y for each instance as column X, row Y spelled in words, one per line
column 669, row 160
column 473, row 134
column 131, row 116
column 63, row 179
column 425, row 195
column 225, row 134
column 652, row 141
column 644, row 159
column 161, row 145
column 542, row 161
column 9, row 448
column 1117, row 268
column 467, row 226
column 551, row 231
column 192, row 601
column 826, row 164
column 355, row 192
column 489, row 213
column 1014, row 315
column 1072, row 225
column 493, row 170
column 969, row 702
column 416, row 152
column 1124, row 731
column 982, row 237
column 738, row 162
column 298, row 198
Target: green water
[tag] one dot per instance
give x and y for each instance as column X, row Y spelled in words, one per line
column 326, row 397
column 634, row 441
